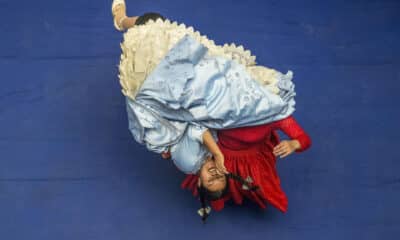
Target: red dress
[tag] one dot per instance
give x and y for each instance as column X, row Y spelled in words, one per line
column 248, row 152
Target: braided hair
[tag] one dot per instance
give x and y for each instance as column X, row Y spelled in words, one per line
column 206, row 195
column 147, row 17
column 246, row 183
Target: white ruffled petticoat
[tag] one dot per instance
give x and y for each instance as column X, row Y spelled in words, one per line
column 144, row 47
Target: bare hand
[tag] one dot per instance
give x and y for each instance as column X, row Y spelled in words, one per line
column 220, row 163
column 166, row 155
column 286, row 147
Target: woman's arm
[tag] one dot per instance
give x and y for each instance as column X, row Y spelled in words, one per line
column 300, row 141
column 212, row 146
column 194, row 140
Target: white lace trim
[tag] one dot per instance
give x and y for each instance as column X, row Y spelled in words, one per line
column 144, row 46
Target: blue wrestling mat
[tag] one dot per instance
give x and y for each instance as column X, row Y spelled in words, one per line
column 70, row 169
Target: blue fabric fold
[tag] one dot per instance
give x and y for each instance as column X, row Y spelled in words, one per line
column 212, row 91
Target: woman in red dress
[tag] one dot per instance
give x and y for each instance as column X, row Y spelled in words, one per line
column 251, row 152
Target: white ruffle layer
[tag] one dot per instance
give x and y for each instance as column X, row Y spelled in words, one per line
column 144, row 47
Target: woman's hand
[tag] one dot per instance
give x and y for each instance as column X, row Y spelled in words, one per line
column 166, row 155
column 286, row 147
column 220, row 163
column 212, row 146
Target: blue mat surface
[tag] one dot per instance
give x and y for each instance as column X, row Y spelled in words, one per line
column 69, row 168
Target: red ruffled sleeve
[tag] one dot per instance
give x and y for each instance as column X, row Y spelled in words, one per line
column 292, row 129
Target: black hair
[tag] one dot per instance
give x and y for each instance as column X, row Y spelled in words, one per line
column 147, row 17
column 246, row 184
column 206, row 195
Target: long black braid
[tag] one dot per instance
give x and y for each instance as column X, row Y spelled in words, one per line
column 203, row 203
column 246, row 184
column 206, row 195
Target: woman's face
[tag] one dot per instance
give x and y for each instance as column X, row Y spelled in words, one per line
column 211, row 178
